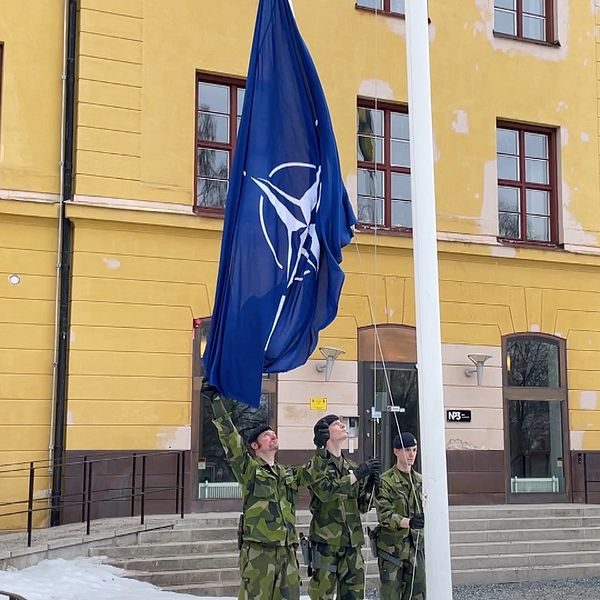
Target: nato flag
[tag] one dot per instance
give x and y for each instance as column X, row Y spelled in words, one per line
column 286, row 220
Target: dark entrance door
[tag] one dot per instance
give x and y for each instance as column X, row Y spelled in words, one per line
column 389, row 405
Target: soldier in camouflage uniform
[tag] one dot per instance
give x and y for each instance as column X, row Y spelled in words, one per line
column 340, row 492
column 401, row 520
column 268, row 563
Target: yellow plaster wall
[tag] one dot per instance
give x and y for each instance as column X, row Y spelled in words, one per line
column 27, row 249
column 31, row 96
column 136, row 291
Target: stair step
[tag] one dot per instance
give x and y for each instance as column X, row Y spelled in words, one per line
column 514, row 535
column 524, row 547
column 521, row 523
column 522, row 510
column 547, row 559
column 165, row 550
column 520, row 574
column 170, row 578
column 180, row 563
column 215, row 589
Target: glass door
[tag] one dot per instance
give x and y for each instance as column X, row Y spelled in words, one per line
column 536, row 447
column 536, row 418
column 387, row 415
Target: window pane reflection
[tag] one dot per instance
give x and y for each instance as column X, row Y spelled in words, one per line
column 211, row 193
column 370, row 3
column 401, row 214
column 505, row 22
column 509, row 225
column 508, row 198
column 397, row 6
column 538, row 229
column 532, row 363
column 370, row 210
column 534, row 27
column 508, row 167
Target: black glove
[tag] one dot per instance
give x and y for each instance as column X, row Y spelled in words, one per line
column 209, row 392
column 376, row 480
column 321, row 434
column 417, row 521
column 373, row 482
column 369, row 466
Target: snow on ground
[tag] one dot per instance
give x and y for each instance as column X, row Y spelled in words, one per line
column 87, row 578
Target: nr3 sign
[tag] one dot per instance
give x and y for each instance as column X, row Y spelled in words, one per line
column 458, row 416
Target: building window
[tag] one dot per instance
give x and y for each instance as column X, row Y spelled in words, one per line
column 526, row 183
column 527, row 19
column 383, row 166
column 536, row 413
column 395, row 7
column 218, row 112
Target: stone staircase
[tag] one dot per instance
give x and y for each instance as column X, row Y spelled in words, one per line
column 501, row 544
column 490, row 544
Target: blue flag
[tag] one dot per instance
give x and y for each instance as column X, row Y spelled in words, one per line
column 286, row 220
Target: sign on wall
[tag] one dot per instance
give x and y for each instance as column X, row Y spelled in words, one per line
column 318, row 403
column 458, row 416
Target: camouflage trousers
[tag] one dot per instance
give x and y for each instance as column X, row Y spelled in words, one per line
column 397, row 580
column 268, row 572
column 338, row 570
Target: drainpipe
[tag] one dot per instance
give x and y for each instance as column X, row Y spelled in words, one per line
column 62, row 322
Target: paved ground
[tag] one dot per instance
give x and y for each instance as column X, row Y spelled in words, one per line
column 567, row 589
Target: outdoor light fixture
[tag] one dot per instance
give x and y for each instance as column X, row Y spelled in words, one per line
column 330, row 355
column 478, row 360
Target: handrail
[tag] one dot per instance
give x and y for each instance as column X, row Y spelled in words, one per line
column 69, row 463
column 12, row 595
column 88, row 495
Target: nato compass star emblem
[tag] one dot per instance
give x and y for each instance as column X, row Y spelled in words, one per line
column 298, row 216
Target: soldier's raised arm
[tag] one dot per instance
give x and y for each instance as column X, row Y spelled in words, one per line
column 236, row 451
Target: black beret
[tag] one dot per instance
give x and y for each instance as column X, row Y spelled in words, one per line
column 253, row 436
column 406, row 440
column 329, row 419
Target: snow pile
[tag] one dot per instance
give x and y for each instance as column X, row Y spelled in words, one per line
column 81, row 578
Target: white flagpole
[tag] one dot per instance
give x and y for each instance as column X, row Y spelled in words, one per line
column 429, row 345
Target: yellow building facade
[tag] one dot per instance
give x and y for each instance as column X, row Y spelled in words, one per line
column 515, row 116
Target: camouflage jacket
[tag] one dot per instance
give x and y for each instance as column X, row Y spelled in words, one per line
column 397, row 499
column 269, row 492
column 335, row 503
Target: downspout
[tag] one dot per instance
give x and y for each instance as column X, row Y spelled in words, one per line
column 62, row 321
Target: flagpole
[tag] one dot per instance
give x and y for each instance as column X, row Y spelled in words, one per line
column 429, row 344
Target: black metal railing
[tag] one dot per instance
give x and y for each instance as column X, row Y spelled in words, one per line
column 137, row 492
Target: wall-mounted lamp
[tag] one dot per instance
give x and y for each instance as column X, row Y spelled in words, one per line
column 478, row 360
column 330, row 355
